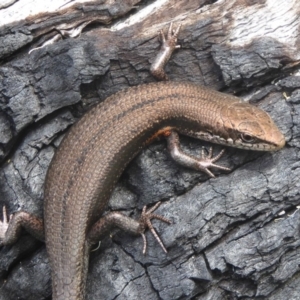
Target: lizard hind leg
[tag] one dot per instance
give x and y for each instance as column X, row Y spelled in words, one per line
column 10, row 227
column 123, row 222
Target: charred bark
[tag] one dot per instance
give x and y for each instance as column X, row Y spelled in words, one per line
column 233, row 237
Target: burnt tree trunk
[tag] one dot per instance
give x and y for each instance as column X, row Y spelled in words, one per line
column 233, row 237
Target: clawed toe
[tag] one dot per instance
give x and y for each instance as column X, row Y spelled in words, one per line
column 4, row 224
column 145, row 222
column 208, row 161
column 171, row 39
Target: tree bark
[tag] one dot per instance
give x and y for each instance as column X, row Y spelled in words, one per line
column 233, row 237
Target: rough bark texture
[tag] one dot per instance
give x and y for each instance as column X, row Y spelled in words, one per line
column 233, row 237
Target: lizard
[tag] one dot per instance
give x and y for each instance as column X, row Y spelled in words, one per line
column 97, row 149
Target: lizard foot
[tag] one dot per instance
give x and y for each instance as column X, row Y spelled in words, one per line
column 171, row 40
column 4, row 225
column 145, row 222
column 208, row 161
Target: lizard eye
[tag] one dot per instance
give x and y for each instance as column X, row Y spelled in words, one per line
column 247, row 138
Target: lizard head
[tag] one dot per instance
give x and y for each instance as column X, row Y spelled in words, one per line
column 239, row 125
column 246, row 126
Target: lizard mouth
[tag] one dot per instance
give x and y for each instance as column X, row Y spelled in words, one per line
column 243, row 141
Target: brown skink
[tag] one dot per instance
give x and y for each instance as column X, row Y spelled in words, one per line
column 100, row 145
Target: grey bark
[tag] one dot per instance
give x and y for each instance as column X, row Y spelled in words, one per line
column 233, row 237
